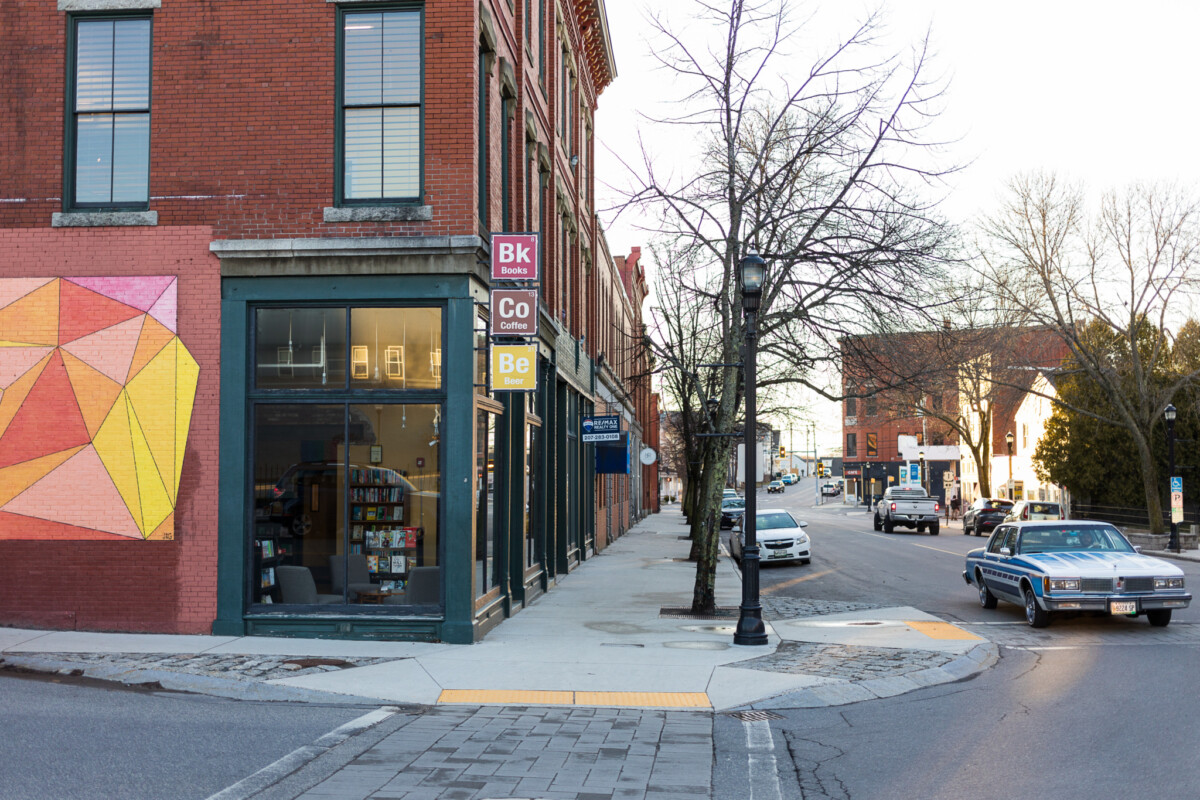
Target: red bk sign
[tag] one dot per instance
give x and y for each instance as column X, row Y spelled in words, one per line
column 514, row 256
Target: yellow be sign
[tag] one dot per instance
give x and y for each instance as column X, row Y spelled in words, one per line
column 514, row 368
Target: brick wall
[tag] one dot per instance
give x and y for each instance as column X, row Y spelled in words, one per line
column 128, row 584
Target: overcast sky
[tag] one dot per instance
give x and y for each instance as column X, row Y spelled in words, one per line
column 1103, row 92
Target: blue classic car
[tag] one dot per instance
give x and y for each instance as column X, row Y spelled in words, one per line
column 1071, row 565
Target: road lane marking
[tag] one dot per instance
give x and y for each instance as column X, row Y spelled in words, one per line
column 760, row 757
column 773, row 587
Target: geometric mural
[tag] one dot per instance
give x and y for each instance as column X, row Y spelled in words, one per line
column 96, row 396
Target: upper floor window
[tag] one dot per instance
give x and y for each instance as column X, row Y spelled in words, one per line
column 109, row 101
column 851, row 406
column 381, row 106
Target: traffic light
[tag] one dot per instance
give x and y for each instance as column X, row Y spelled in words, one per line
column 820, row 469
column 782, row 451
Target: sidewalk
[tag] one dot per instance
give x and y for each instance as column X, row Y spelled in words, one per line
column 600, row 638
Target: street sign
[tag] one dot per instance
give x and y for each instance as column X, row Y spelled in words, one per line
column 514, row 312
column 914, row 473
column 601, row 429
column 514, row 256
column 1176, row 500
column 514, row 368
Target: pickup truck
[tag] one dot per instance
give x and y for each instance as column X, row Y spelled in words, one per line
column 907, row 507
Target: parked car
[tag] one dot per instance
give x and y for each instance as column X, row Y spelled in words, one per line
column 831, row 489
column 780, row 537
column 775, row 486
column 732, row 509
column 1026, row 510
column 907, row 507
column 730, row 493
column 985, row 514
column 788, row 478
column 1055, row 565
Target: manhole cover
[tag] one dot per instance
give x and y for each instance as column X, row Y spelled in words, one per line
column 305, row 663
column 754, row 716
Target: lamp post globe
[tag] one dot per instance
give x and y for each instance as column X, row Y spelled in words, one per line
column 1009, row 438
column 752, row 274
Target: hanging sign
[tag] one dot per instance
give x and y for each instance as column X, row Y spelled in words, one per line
column 601, row 429
column 514, row 368
column 514, row 256
column 1176, row 500
column 514, row 312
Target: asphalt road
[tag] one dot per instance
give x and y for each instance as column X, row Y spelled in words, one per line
column 1091, row 707
column 91, row 741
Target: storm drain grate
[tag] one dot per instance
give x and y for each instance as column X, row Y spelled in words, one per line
column 754, row 716
column 685, row 612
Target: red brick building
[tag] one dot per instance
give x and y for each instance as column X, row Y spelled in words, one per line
column 262, row 234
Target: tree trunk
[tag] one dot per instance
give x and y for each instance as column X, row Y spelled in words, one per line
column 706, row 530
column 1150, row 484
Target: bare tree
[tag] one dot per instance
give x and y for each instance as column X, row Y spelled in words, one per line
column 1104, row 281
column 819, row 169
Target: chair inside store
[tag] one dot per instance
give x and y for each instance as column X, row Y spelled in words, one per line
column 296, row 585
column 424, row 588
column 357, row 576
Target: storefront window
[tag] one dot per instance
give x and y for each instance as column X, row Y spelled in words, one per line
column 532, row 478
column 395, row 348
column 349, row 523
column 300, row 348
column 487, row 566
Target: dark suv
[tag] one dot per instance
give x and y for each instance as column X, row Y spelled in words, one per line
column 985, row 514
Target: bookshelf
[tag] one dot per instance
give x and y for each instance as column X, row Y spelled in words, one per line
column 378, row 529
column 272, row 544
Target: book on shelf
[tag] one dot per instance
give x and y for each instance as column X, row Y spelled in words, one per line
column 370, row 513
column 399, row 564
column 356, row 549
column 372, row 538
column 385, row 539
column 357, row 512
column 373, row 564
column 356, row 533
column 267, row 547
column 268, row 577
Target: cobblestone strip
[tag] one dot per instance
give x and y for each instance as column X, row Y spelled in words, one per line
column 242, row 667
column 845, row 662
column 527, row 752
column 793, row 607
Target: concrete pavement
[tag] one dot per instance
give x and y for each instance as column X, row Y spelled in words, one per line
column 604, row 636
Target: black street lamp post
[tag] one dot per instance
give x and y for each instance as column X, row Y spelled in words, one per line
column 1169, row 416
column 752, row 273
column 921, row 456
column 1008, row 440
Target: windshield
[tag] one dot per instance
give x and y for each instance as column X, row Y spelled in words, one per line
column 774, row 519
column 999, row 505
column 1093, row 538
column 733, row 502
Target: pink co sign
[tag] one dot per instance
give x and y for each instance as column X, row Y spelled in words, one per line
column 514, row 256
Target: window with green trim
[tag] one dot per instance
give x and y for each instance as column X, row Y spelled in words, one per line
column 108, row 151
column 380, row 106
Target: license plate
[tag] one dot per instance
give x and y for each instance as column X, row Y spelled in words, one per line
column 1122, row 607
column 778, row 554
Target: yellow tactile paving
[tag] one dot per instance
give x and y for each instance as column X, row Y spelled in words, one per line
column 941, row 630
column 541, row 698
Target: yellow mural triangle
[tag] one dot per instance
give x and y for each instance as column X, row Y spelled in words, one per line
column 187, row 378
column 19, row 477
column 152, row 396
column 94, row 391
column 152, row 494
column 114, row 445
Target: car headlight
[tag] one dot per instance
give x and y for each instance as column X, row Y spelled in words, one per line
column 802, row 538
column 1062, row 584
column 1168, row 583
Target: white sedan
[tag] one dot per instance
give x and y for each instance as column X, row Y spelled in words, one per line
column 780, row 537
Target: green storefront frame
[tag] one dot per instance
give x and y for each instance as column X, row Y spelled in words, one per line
column 240, row 296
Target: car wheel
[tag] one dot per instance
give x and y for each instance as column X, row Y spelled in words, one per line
column 806, row 561
column 1035, row 615
column 977, row 531
column 301, row 525
column 920, row 529
column 934, row 529
column 1159, row 617
column 875, row 523
column 888, row 527
column 986, row 598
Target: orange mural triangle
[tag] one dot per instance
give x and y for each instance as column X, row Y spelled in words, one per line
column 83, row 312
column 13, row 289
column 14, row 395
column 50, row 400
column 155, row 336
column 19, row 477
column 94, row 392
column 166, row 530
column 34, row 318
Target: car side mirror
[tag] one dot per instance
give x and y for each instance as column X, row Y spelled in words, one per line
column 1137, row 548
column 803, row 524
column 1004, row 551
